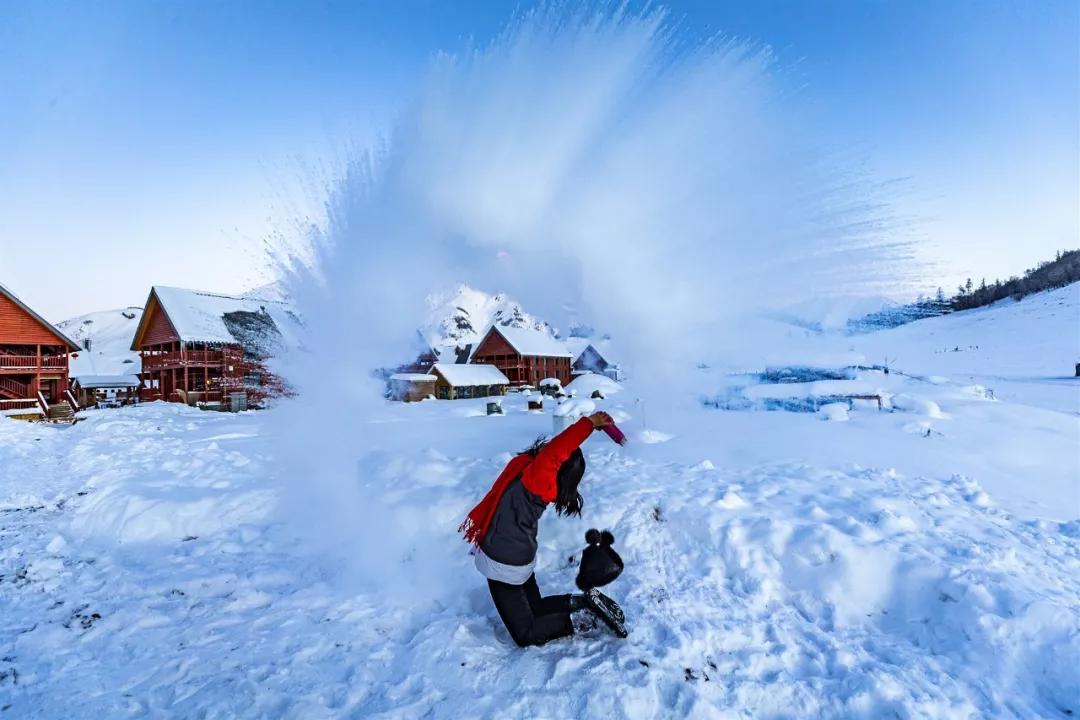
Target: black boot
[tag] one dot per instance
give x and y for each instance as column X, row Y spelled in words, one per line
column 607, row 610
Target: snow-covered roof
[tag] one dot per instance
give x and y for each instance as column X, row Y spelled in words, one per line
column 105, row 337
column 72, row 345
column 201, row 316
column 602, row 346
column 532, row 342
column 413, row 377
column 470, row 375
column 460, row 353
column 107, row 381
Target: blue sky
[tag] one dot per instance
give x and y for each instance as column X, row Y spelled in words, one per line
column 147, row 143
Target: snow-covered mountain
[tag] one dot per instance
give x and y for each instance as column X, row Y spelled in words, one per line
column 462, row 316
column 105, row 338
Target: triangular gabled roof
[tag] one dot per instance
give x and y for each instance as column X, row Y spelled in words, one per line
column 528, row 342
column 71, row 344
column 199, row 316
column 601, row 346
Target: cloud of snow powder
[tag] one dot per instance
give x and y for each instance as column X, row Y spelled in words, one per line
column 594, row 164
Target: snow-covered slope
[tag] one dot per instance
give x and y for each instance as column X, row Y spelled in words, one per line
column 1027, row 350
column 105, row 338
column 464, row 314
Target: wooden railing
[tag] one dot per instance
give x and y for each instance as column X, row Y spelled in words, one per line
column 14, row 387
column 20, row 403
column 194, row 397
column 24, row 404
column 33, row 362
column 177, row 358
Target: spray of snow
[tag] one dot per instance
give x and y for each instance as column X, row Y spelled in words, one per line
column 595, row 164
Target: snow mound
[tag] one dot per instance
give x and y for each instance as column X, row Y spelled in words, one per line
column 585, row 385
column 834, row 412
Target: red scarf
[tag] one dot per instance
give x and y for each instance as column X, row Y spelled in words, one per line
column 477, row 523
column 539, row 475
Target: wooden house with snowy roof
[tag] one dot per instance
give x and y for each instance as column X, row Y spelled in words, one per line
column 453, row 382
column 525, row 356
column 33, row 363
column 200, row 347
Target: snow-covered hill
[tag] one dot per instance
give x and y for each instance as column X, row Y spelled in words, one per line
column 105, row 338
column 1027, row 350
column 463, row 315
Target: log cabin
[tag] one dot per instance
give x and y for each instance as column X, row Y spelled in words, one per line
column 33, row 363
column 199, row 347
column 525, row 356
column 453, row 382
column 105, row 390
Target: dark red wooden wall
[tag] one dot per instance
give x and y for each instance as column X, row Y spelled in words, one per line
column 18, row 327
column 158, row 329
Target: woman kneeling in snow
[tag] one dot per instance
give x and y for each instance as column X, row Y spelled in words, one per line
column 503, row 528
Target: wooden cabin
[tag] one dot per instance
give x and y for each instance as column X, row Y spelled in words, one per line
column 525, row 356
column 33, row 363
column 106, row 390
column 453, row 382
column 200, row 348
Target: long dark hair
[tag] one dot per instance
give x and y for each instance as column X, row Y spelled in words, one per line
column 568, row 500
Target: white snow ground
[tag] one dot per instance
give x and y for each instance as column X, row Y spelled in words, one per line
column 778, row 564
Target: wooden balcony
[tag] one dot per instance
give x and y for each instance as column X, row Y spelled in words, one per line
column 32, row 363
column 183, row 358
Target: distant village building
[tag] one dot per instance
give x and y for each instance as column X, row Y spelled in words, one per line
column 525, row 356
column 200, row 347
column 33, row 362
column 590, row 359
column 411, row 387
column 453, row 382
column 106, row 390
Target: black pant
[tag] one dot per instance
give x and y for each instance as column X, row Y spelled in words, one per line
column 531, row 619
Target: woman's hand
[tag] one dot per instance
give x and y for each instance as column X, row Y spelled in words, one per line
column 600, row 419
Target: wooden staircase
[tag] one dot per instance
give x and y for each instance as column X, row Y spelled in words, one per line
column 61, row 412
column 13, row 389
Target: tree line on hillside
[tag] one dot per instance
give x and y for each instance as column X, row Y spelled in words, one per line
column 1059, row 272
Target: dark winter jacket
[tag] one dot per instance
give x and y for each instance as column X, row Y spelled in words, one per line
column 511, row 539
column 520, row 496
